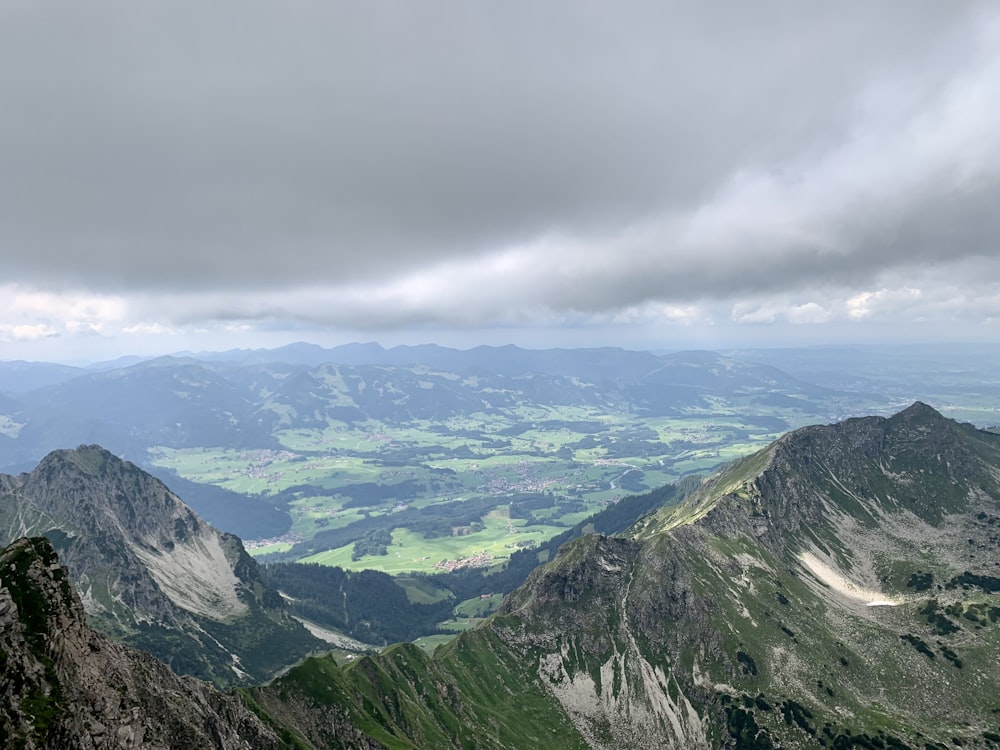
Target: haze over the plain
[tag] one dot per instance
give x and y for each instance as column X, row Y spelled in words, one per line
column 205, row 175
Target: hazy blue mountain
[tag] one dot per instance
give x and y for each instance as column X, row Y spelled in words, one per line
column 594, row 364
column 299, row 353
column 272, row 399
column 238, row 399
column 19, row 376
column 903, row 371
column 165, row 401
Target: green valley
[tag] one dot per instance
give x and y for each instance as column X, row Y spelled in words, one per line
column 454, row 458
column 533, row 472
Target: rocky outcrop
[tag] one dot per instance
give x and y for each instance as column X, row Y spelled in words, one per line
column 66, row 686
column 149, row 571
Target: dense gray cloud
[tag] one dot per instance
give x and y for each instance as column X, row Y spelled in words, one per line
column 385, row 164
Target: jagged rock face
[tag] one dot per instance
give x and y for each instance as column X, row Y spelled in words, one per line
column 591, row 616
column 916, row 462
column 136, row 548
column 148, row 569
column 66, row 686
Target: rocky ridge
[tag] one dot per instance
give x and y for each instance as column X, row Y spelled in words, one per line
column 67, row 686
column 149, row 571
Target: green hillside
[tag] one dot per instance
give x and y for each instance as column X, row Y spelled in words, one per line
column 840, row 589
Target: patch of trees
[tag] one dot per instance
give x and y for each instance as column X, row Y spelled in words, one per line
column 771, row 424
column 438, row 520
column 367, row 604
column 572, row 506
column 920, row 581
column 583, row 426
column 747, row 734
column 937, row 618
column 950, row 655
column 990, row 584
column 440, row 429
column 521, row 506
column 367, row 494
column 432, row 521
column 919, row 645
column 796, row 713
column 289, row 494
column 516, row 429
column 638, row 442
column 374, row 542
column 400, row 455
column 743, row 728
column 632, row 481
column 747, row 662
column 879, row 741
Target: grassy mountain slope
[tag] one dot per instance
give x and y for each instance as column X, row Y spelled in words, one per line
column 476, row 693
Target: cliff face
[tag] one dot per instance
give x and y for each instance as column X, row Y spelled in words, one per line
column 149, row 571
column 66, row 686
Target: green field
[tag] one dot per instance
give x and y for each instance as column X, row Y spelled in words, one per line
column 479, row 607
column 410, row 552
column 421, row 590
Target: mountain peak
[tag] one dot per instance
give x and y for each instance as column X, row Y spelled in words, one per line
column 90, row 459
column 31, row 563
column 915, row 466
column 918, row 410
column 138, row 555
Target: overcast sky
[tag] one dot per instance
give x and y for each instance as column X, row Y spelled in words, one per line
column 657, row 175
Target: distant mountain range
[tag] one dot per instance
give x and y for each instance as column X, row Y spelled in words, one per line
column 839, row 589
column 243, row 400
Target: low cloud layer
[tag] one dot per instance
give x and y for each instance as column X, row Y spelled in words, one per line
column 378, row 166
